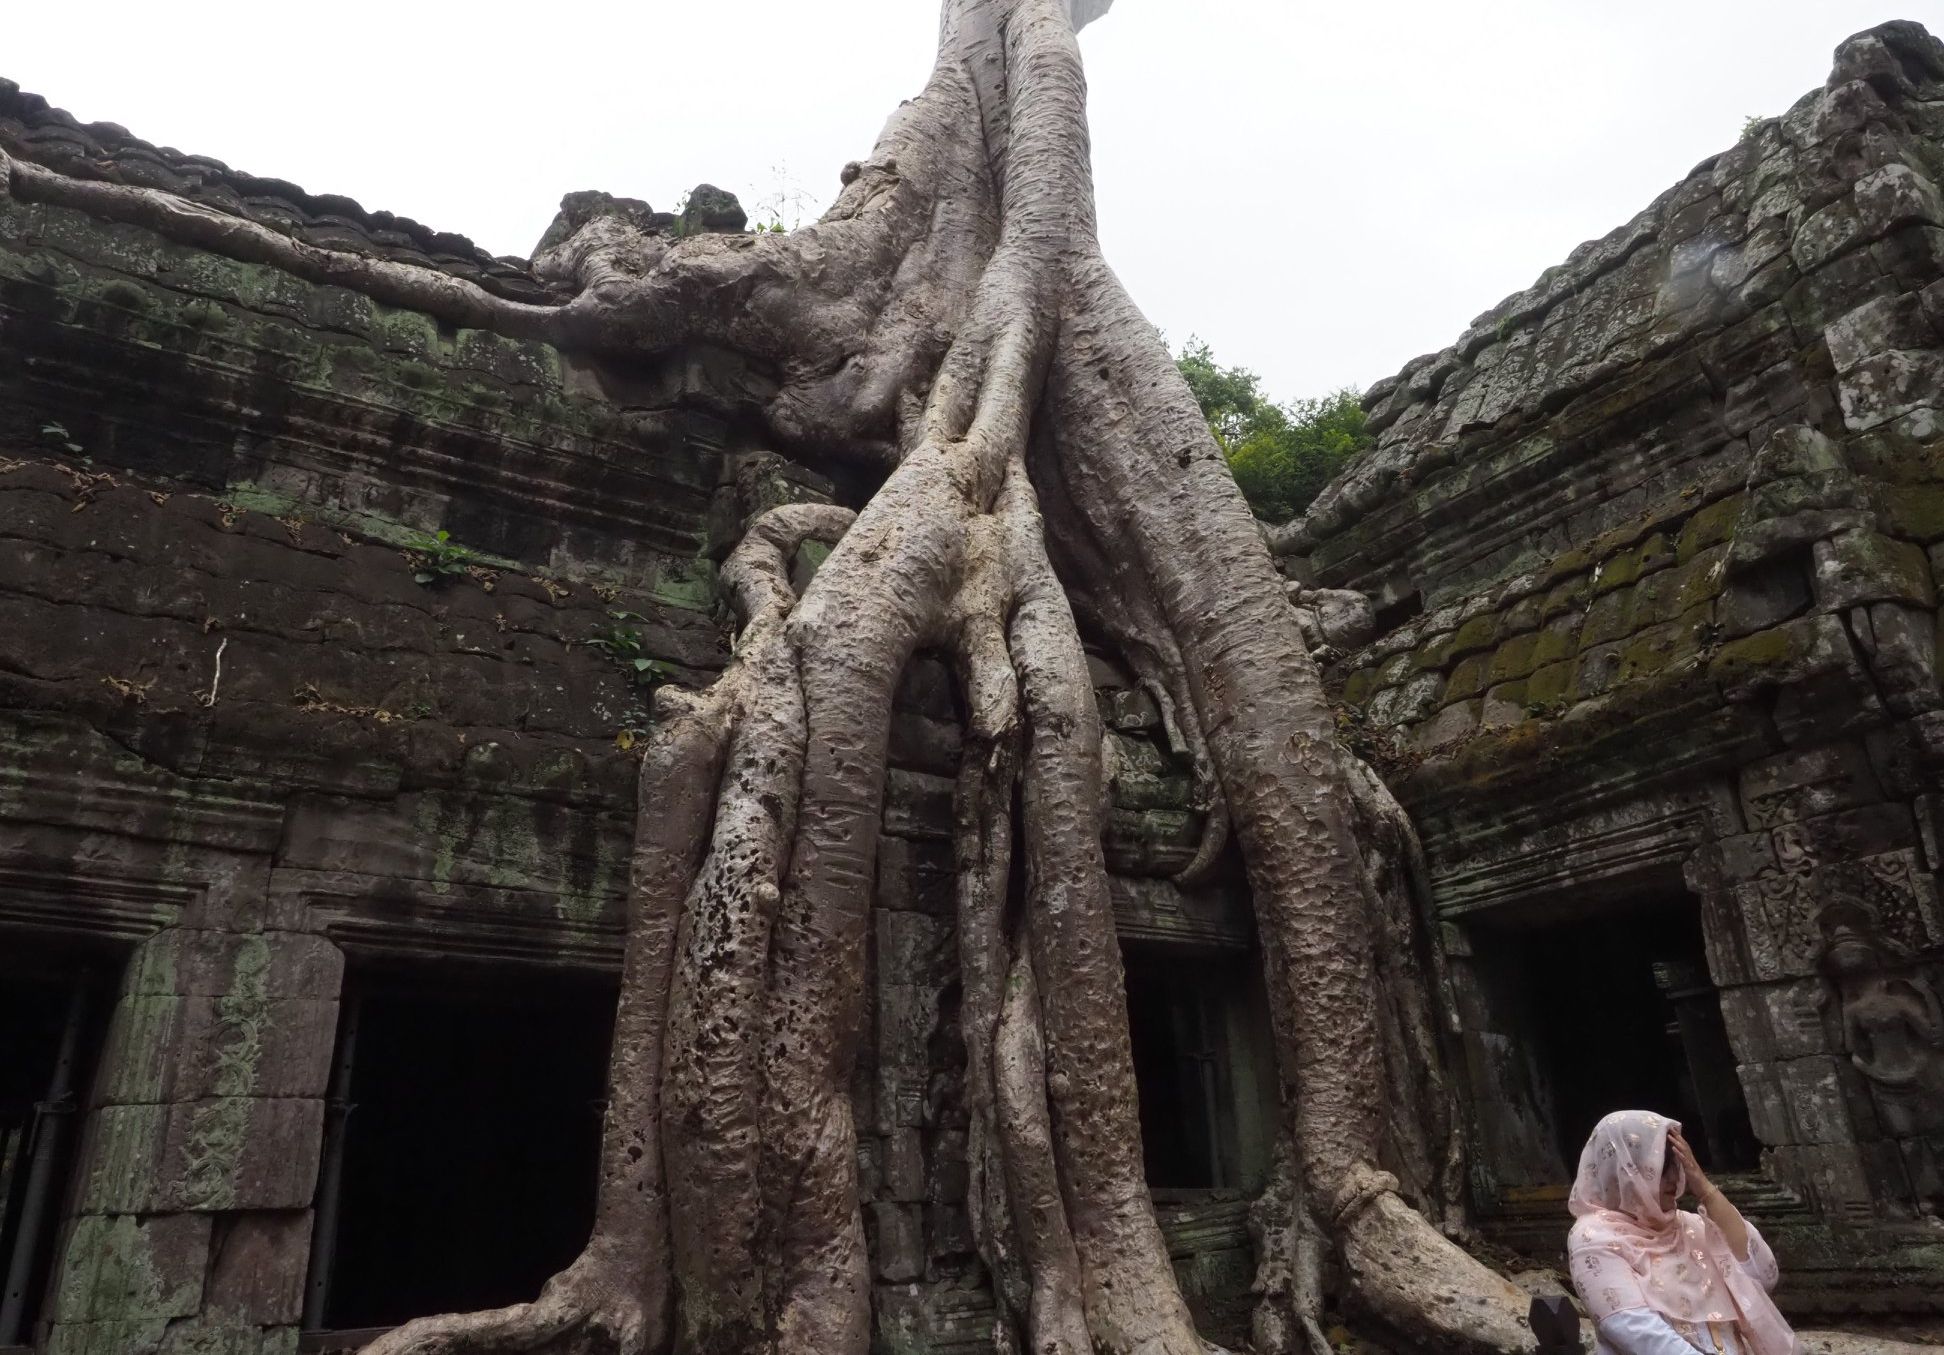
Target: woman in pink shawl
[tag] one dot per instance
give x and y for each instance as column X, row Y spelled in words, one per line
column 1659, row 1281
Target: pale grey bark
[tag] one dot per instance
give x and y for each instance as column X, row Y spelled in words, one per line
column 950, row 323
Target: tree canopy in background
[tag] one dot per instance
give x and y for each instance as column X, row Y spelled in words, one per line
column 1281, row 455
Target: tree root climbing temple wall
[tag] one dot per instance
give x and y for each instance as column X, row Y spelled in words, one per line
column 328, row 632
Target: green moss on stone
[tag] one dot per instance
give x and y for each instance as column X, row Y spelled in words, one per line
column 1505, row 694
column 691, row 584
column 1902, row 460
column 242, row 1012
column 213, row 1151
column 1570, row 563
column 1794, row 494
column 1477, row 634
column 1553, row 683
column 1557, row 641
column 1433, row 655
column 1916, row 511
column 1702, row 583
column 1617, row 571
column 1523, row 615
column 1568, row 595
column 109, row 1273
column 1656, row 552
column 1468, row 678
column 1627, row 567
column 1647, row 653
column 1668, row 595
column 1860, row 566
column 1711, row 526
column 1753, row 654
column 1608, row 619
column 1394, row 669
column 811, row 555
column 1514, row 658
column 251, row 317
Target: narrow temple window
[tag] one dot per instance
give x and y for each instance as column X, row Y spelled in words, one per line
column 50, row 1030
column 1625, row 1016
column 1395, row 614
column 461, row 1146
column 1196, row 1023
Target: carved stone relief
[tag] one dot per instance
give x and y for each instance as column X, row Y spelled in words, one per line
column 1892, row 1022
column 1782, row 909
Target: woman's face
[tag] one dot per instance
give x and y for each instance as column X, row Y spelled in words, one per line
column 1670, row 1181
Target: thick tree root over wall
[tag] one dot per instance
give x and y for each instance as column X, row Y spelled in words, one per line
column 951, row 327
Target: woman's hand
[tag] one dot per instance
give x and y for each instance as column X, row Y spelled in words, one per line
column 1698, row 1184
column 1713, row 1203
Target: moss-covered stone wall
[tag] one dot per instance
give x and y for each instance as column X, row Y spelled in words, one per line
column 1656, row 548
column 330, row 632
column 322, row 632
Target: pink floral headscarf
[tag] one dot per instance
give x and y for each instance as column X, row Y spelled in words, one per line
column 1629, row 1252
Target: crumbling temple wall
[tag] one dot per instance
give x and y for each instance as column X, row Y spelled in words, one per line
column 240, row 736
column 328, row 629
column 1657, row 547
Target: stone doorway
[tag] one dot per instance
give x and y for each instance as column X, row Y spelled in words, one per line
column 1197, row 1022
column 1621, row 1014
column 52, row 1008
column 461, row 1145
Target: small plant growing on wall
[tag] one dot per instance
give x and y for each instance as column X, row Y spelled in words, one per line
column 57, row 435
column 438, row 557
column 623, row 643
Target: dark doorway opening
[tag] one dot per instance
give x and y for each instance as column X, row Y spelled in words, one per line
column 461, row 1154
column 51, row 1016
column 1390, row 617
column 1625, row 1017
column 1197, row 1023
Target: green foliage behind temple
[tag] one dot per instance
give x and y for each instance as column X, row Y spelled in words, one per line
column 1281, row 455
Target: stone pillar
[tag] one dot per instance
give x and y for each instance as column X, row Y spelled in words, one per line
column 199, row 1157
column 920, row 1233
column 1511, row 1106
column 1712, row 1078
column 1816, row 920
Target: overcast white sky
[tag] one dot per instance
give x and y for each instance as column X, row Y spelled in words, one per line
column 1321, row 191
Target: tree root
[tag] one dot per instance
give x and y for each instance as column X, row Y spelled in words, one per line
column 1055, row 1312
column 951, row 324
column 448, row 298
column 1406, row 1274
column 587, row 1309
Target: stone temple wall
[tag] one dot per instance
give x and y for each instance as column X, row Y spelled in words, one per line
column 240, row 739
column 1657, row 547
column 321, row 623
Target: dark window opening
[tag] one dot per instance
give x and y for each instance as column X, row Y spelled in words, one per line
column 461, row 1151
column 1625, row 1017
column 1395, row 614
column 1196, row 1024
column 51, row 1011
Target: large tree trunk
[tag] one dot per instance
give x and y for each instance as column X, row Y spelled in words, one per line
column 951, row 326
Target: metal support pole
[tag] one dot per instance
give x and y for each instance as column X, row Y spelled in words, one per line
column 330, row 1178
column 52, row 1118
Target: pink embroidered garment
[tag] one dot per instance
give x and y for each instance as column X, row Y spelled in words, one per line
column 1629, row 1252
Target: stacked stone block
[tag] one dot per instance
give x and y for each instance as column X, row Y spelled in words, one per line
column 191, row 1216
column 240, row 736
column 1659, row 543
column 932, row 1292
